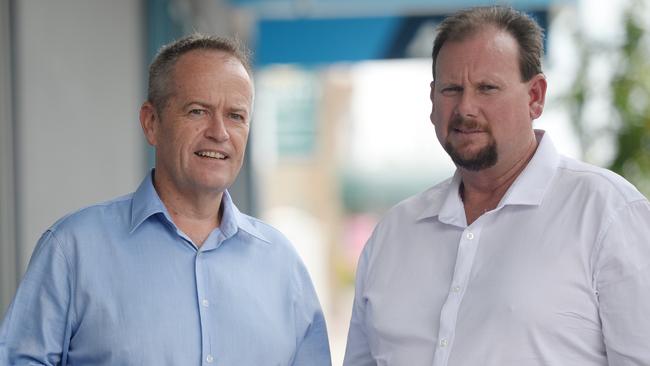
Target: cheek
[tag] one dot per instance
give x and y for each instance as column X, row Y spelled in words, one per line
column 441, row 134
column 239, row 138
column 508, row 124
column 178, row 142
column 442, row 108
column 439, row 118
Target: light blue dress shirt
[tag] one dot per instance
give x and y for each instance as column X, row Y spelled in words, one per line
column 119, row 284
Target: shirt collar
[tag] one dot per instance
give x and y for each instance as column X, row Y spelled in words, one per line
column 530, row 186
column 232, row 220
column 527, row 189
column 147, row 203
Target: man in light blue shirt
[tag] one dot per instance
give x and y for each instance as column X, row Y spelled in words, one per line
column 172, row 274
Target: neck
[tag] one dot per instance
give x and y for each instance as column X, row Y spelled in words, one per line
column 481, row 191
column 197, row 215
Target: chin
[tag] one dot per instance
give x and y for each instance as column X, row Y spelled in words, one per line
column 212, row 185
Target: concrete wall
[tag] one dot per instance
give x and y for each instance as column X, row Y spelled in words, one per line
column 79, row 82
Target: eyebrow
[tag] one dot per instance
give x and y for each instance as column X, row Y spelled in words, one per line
column 237, row 105
column 203, row 104
column 239, row 109
column 448, row 84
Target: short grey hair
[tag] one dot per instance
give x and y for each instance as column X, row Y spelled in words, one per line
column 528, row 34
column 162, row 67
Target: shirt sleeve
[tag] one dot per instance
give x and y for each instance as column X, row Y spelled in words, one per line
column 357, row 351
column 312, row 343
column 36, row 330
column 622, row 278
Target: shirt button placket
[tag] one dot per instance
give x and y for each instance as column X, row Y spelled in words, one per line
column 204, row 304
column 449, row 311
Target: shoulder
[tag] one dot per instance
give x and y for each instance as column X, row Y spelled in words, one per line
column 411, row 209
column 110, row 215
column 80, row 228
column 279, row 252
column 276, row 243
column 407, row 218
column 263, row 230
column 584, row 178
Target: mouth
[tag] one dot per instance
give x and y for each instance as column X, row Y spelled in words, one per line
column 466, row 126
column 467, row 131
column 211, row 154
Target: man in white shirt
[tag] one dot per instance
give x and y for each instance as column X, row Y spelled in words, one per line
column 524, row 256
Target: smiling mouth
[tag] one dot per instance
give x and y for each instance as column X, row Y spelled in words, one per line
column 211, row 155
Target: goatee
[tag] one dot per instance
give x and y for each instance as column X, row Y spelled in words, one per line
column 484, row 158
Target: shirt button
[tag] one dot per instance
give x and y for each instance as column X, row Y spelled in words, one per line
column 209, row 358
column 456, row 289
column 444, row 342
column 469, row 236
column 205, row 303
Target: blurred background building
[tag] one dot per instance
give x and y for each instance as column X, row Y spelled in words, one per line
column 340, row 131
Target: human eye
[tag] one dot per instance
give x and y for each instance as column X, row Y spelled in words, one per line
column 487, row 88
column 451, row 90
column 197, row 112
column 237, row 116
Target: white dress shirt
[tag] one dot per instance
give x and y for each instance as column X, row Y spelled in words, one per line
column 557, row 274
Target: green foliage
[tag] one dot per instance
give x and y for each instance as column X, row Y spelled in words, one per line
column 629, row 96
column 631, row 99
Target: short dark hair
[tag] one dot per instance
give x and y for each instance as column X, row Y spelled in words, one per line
column 162, row 66
column 528, row 34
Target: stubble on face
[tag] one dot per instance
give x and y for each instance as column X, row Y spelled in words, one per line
column 484, row 158
column 217, row 87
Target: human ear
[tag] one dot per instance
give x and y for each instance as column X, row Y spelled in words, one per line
column 537, row 95
column 149, row 122
column 432, row 91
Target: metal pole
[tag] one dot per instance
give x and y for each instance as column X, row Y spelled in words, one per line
column 8, row 243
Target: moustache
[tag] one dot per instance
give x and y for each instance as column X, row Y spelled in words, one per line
column 466, row 124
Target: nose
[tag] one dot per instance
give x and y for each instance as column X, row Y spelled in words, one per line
column 217, row 129
column 467, row 105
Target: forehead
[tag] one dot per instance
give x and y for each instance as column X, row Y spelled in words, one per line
column 202, row 67
column 486, row 50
